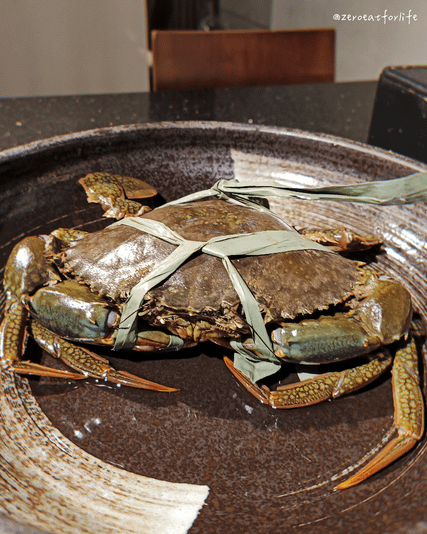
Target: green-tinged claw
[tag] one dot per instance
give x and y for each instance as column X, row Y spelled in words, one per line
column 75, row 311
column 324, row 340
column 381, row 316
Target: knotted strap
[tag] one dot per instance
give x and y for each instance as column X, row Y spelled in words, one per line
column 406, row 190
column 252, row 244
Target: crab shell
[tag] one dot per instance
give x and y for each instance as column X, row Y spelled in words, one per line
column 286, row 285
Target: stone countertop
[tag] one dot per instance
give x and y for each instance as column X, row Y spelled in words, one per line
column 341, row 109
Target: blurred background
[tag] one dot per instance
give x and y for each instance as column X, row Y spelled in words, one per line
column 57, row 47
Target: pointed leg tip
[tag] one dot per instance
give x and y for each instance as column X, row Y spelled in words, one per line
column 347, row 484
column 30, row 368
column 127, row 379
column 228, row 362
column 394, row 450
column 256, row 391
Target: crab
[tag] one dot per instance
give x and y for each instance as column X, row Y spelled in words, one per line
column 70, row 290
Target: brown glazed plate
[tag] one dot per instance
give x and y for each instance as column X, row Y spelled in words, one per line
column 92, row 457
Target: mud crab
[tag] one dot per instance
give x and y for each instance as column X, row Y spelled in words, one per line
column 317, row 305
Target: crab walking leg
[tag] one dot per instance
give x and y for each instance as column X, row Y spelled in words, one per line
column 258, row 392
column 408, row 414
column 328, row 385
column 113, row 193
column 12, row 334
column 87, row 362
column 314, row 390
column 341, row 239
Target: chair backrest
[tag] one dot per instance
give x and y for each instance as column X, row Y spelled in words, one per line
column 199, row 59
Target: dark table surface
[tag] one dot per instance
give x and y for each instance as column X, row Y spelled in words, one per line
column 342, row 109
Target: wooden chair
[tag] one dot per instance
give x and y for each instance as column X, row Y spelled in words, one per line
column 198, row 59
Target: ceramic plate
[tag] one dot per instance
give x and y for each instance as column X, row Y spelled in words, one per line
column 90, row 457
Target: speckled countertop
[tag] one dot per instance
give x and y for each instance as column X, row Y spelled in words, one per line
column 342, row 109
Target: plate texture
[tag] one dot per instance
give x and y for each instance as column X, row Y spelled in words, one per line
column 73, row 456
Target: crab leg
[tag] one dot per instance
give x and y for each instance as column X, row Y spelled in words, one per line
column 113, row 193
column 87, row 362
column 318, row 389
column 407, row 399
column 13, row 333
column 12, row 336
column 341, row 239
column 408, row 414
